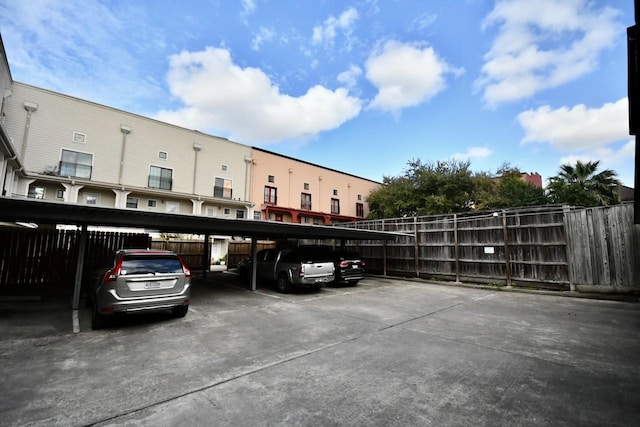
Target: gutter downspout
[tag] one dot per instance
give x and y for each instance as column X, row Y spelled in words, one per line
column 31, row 107
column 126, row 130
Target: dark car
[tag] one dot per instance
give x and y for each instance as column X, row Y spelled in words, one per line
column 350, row 267
column 140, row 280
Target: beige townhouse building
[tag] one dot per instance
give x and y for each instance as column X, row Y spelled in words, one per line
column 291, row 190
column 77, row 151
column 61, row 148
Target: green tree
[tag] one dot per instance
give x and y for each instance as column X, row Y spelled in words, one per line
column 424, row 189
column 580, row 185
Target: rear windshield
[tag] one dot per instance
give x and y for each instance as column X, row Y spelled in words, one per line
column 308, row 254
column 133, row 264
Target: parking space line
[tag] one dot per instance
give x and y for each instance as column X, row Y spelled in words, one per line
column 268, row 295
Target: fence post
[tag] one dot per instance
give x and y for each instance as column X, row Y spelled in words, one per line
column 384, row 258
column 456, row 248
column 507, row 255
column 416, row 240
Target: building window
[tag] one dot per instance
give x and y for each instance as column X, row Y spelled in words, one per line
column 306, row 186
column 335, row 206
column 335, row 192
column 257, row 215
column 163, row 155
column 132, row 202
column 305, row 201
column 359, row 197
column 271, row 178
column 222, row 188
column 227, row 211
column 359, row 210
column 79, row 138
column 152, row 203
column 239, row 213
column 160, row 178
column 59, row 194
column 270, row 195
column 210, row 212
column 36, row 192
column 76, row 164
column 224, row 168
column 92, row 199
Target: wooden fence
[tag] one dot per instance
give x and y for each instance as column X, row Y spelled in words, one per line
column 191, row 251
column 43, row 262
column 240, row 249
column 555, row 247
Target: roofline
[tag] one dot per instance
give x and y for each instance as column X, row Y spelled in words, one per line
column 6, row 60
column 97, row 104
column 316, row 165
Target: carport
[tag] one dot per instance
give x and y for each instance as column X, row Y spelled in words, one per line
column 52, row 213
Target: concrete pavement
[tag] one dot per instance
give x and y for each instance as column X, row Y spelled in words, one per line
column 387, row 352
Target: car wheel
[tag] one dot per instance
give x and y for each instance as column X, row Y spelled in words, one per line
column 283, row 284
column 98, row 321
column 180, row 311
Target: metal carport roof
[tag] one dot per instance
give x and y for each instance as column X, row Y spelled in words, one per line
column 46, row 212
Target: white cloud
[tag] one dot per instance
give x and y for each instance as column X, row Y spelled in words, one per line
column 543, row 44
column 327, row 32
column 350, row 77
column 243, row 102
column 473, row 153
column 264, row 35
column 578, row 127
column 248, row 7
column 405, row 75
column 49, row 45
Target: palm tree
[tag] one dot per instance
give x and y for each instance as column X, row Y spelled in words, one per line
column 582, row 186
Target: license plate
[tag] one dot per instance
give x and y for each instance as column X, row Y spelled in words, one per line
column 152, row 285
column 355, row 266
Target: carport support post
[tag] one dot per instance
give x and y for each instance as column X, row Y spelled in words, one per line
column 79, row 266
column 254, row 253
column 206, row 257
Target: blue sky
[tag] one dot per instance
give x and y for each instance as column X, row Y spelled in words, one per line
column 360, row 86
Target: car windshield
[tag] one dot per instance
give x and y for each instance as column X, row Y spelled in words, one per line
column 133, row 264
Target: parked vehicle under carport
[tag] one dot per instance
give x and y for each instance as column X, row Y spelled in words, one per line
column 138, row 281
column 290, row 268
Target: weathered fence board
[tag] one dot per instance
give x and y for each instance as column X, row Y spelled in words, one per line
column 604, row 248
column 43, row 262
column 551, row 247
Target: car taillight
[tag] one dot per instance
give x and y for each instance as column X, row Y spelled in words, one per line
column 185, row 269
column 344, row 264
column 301, row 270
column 112, row 275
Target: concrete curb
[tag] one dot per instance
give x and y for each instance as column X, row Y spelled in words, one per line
column 631, row 297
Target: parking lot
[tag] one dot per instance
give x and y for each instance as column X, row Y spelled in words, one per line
column 387, row 352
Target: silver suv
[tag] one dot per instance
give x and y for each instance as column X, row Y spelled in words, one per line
column 140, row 280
